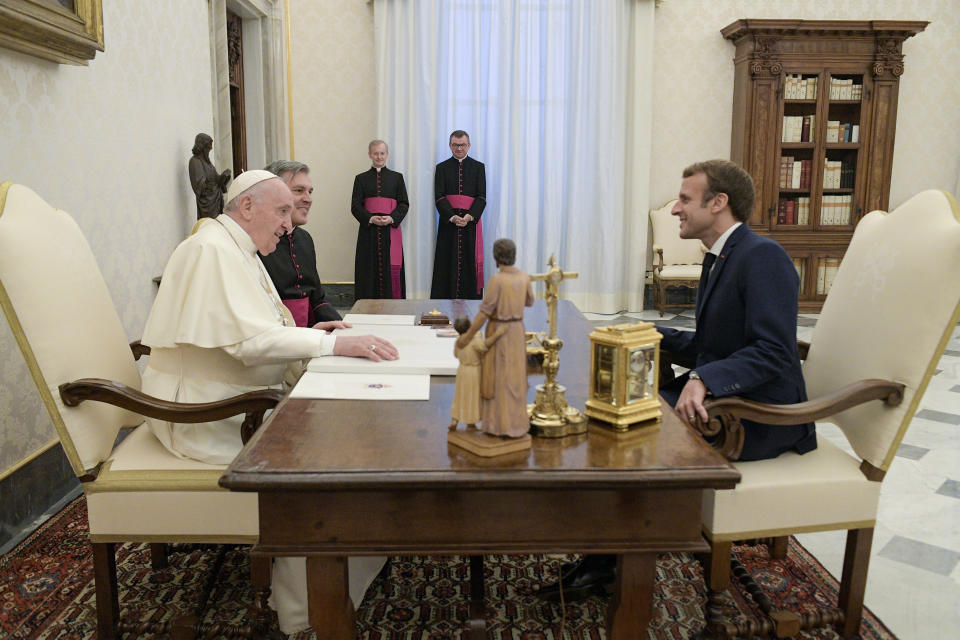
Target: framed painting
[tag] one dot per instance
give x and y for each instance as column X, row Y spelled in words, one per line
column 64, row 31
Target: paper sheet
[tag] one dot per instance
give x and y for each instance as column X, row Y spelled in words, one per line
column 421, row 351
column 362, row 386
column 371, row 318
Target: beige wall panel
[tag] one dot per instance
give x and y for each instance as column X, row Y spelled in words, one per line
column 334, row 117
column 109, row 143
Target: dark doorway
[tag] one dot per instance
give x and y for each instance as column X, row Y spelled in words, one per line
column 238, row 122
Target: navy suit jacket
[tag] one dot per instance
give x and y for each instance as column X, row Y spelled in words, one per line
column 745, row 343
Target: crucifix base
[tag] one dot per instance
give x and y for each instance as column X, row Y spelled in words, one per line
column 550, row 417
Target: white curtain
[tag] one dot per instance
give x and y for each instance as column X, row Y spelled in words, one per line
column 555, row 95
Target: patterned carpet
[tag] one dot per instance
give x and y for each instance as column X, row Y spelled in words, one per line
column 46, row 592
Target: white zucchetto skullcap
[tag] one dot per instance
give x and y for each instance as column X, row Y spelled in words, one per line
column 246, row 180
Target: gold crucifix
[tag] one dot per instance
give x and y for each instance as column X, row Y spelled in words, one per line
column 550, row 416
column 552, row 280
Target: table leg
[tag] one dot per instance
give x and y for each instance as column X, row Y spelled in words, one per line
column 632, row 604
column 478, row 623
column 328, row 595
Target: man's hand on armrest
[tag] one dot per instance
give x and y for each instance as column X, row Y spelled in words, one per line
column 371, row 347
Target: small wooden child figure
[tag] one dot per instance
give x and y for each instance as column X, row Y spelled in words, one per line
column 466, row 394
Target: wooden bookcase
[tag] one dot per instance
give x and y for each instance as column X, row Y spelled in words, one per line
column 783, row 74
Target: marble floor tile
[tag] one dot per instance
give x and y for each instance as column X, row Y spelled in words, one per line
column 950, row 488
column 919, row 554
column 911, row 451
column 939, row 416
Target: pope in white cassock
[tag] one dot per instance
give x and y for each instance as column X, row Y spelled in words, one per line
column 218, row 329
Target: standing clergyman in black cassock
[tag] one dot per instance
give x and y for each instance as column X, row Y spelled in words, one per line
column 379, row 204
column 460, row 188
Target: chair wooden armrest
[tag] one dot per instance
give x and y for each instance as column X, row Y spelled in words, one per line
column 803, row 348
column 253, row 403
column 726, row 432
column 658, row 267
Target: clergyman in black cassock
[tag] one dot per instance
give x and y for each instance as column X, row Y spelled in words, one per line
column 460, row 189
column 379, row 204
column 293, row 268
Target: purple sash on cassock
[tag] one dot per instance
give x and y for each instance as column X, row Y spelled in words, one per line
column 300, row 310
column 384, row 207
column 465, row 202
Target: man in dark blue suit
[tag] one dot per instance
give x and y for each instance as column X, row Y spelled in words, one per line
column 745, row 342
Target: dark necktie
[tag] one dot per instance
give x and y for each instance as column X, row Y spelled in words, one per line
column 708, row 261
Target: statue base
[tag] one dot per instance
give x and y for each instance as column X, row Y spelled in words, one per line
column 485, row 445
column 550, row 417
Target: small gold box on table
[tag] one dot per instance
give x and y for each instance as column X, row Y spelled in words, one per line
column 434, row 317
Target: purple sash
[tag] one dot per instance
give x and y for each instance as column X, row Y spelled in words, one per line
column 300, row 310
column 384, row 207
column 464, row 203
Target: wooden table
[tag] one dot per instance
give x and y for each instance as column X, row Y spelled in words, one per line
column 339, row 478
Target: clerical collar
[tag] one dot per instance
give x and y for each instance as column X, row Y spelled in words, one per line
column 242, row 238
column 722, row 240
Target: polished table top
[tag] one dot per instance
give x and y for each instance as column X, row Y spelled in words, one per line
column 318, row 445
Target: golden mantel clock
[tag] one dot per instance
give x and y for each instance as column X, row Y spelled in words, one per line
column 624, row 375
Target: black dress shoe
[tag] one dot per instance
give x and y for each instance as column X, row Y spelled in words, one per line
column 588, row 577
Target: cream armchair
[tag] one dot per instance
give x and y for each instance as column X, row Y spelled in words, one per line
column 894, row 305
column 136, row 491
column 677, row 262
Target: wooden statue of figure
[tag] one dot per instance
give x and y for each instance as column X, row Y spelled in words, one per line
column 466, row 394
column 503, row 383
column 208, row 185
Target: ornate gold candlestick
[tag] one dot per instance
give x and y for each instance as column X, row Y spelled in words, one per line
column 550, row 417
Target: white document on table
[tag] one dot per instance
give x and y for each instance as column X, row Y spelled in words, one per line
column 421, row 351
column 372, row 318
column 362, row 386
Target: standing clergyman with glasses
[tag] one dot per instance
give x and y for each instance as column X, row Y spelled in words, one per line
column 460, row 189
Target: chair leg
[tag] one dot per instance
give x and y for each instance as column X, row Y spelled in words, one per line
column 158, row 556
column 661, row 292
column 853, row 584
column 105, row 584
column 716, row 575
column 263, row 618
column 778, row 547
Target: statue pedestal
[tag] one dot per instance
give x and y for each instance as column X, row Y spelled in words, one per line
column 485, row 445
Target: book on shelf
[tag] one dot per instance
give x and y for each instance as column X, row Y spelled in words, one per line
column 803, row 210
column 826, row 273
column 798, row 128
column 855, row 133
column 800, row 88
column 801, row 266
column 836, row 210
column 845, row 89
column 833, row 130
column 847, row 175
column 794, row 174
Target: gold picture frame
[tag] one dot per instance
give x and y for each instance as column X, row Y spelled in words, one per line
column 49, row 30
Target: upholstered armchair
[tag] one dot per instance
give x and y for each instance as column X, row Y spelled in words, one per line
column 89, row 383
column 676, row 262
column 894, row 305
